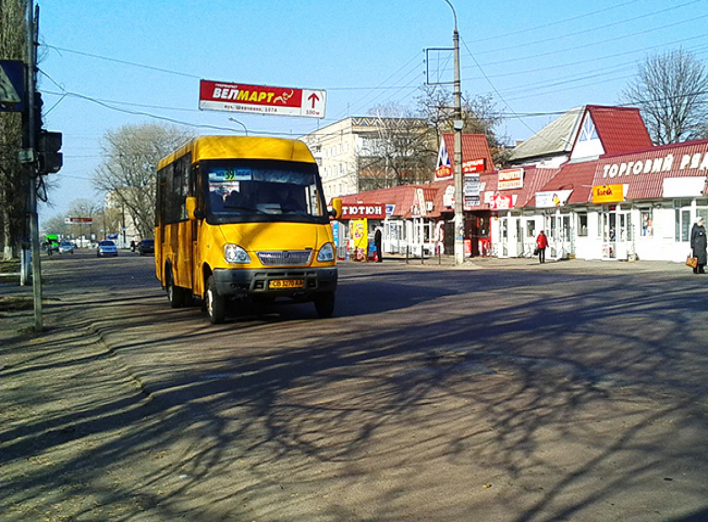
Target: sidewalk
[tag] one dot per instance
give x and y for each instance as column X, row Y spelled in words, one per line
column 520, row 263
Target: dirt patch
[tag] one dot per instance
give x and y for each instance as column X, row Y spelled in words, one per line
column 14, row 304
column 9, row 267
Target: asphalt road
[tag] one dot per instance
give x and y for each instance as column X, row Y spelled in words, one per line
column 501, row 391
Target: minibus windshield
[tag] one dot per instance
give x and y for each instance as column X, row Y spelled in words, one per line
column 247, row 190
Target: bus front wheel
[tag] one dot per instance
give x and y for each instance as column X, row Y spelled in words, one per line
column 324, row 304
column 215, row 303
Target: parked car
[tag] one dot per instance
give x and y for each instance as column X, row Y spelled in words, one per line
column 146, row 246
column 66, row 247
column 106, row 248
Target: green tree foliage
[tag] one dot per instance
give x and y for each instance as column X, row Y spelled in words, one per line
column 127, row 173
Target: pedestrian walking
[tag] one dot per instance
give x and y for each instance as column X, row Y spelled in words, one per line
column 377, row 243
column 699, row 242
column 541, row 245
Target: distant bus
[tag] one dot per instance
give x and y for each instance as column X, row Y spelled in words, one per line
column 52, row 244
column 244, row 218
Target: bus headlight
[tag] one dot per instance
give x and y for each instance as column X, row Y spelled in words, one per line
column 236, row 254
column 326, row 253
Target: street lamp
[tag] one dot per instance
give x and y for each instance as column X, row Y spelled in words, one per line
column 458, row 124
column 245, row 129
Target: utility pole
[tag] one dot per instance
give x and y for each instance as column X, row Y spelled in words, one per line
column 458, row 124
column 32, row 130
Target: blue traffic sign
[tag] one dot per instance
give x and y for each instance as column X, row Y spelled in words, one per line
column 12, row 86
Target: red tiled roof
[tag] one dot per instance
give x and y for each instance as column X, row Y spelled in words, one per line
column 534, row 180
column 650, row 185
column 572, row 176
column 474, row 146
column 401, row 197
column 620, row 129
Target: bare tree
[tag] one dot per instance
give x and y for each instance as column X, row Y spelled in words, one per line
column 671, row 90
column 128, row 170
column 397, row 151
column 479, row 115
column 13, row 184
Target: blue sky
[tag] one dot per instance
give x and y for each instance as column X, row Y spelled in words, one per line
column 108, row 64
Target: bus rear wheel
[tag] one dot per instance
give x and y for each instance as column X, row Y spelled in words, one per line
column 215, row 303
column 324, row 304
column 177, row 295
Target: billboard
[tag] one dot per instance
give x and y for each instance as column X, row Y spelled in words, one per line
column 261, row 99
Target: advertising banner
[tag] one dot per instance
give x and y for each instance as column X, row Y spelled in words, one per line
column 511, row 179
column 358, row 231
column 375, row 211
column 556, row 198
column 608, row 194
column 500, row 202
column 443, row 169
column 477, row 165
column 261, row 99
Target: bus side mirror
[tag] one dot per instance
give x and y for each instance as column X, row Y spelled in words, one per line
column 191, row 204
column 336, row 212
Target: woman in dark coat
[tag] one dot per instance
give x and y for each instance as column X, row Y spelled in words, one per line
column 699, row 241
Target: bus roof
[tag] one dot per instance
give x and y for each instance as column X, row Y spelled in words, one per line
column 241, row 147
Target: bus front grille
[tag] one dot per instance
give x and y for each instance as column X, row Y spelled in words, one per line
column 285, row 258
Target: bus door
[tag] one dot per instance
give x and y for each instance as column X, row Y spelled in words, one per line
column 183, row 240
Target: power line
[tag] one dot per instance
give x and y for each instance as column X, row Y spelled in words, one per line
column 584, row 46
column 605, row 26
column 116, row 60
column 551, row 24
column 494, row 87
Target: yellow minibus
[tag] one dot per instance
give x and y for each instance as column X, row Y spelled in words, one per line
column 244, row 218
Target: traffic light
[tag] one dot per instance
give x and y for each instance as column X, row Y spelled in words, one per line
column 50, row 159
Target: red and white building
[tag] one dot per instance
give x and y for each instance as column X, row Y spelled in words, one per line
column 592, row 180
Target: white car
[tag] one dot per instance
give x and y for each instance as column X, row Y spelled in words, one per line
column 66, row 247
column 106, row 248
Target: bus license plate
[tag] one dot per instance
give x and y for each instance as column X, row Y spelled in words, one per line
column 287, row 283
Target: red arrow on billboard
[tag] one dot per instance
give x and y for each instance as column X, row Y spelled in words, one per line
column 314, row 98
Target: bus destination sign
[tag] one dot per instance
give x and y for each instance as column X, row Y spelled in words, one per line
column 261, row 99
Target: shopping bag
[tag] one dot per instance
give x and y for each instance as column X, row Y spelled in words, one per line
column 692, row 261
column 535, row 251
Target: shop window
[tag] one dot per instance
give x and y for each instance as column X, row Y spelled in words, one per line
column 483, row 227
column 530, row 229
column 702, row 212
column 647, row 216
column 683, row 224
column 599, row 224
column 553, row 233
column 582, row 224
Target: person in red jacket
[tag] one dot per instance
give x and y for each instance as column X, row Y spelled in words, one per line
column 541, row 245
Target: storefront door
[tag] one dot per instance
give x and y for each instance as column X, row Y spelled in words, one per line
column 560, row 237
column 503, row 237
column 616, row 232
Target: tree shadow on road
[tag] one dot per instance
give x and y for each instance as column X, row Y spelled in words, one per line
column 471, row 395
